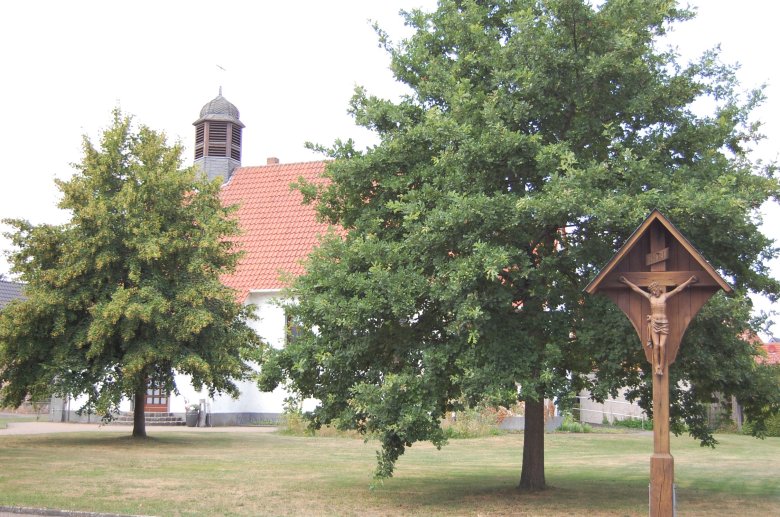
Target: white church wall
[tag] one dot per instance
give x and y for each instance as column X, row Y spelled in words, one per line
column 252, row 405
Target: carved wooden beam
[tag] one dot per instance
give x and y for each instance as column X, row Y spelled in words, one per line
column 664, row 278
column 656, row 257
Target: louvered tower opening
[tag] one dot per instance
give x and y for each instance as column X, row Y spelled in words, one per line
column 218, row 138
column 235, row 143
column 214, row 138
column 200, row 134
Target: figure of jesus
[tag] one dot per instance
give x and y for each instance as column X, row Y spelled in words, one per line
column 657, row 321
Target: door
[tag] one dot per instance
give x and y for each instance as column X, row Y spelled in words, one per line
column 156, row 399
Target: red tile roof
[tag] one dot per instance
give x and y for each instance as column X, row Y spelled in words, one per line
column 278, row 231
column 772, row 351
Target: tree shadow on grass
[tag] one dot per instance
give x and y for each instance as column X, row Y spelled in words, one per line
column 112, row 440
column 501, row 495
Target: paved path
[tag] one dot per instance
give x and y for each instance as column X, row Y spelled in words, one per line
column 15, row 428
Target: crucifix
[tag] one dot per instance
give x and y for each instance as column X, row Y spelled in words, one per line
column 656, row 257
column 657, row 321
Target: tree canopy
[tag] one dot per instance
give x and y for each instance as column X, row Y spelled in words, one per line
column 536, row 135
column 128, row 291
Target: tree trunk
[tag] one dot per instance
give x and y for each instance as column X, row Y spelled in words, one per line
column 532, row 473
column 139, row 418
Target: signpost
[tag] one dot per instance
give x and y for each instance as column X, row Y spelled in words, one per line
column 656, row 257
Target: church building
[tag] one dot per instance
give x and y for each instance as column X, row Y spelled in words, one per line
column 277, row 233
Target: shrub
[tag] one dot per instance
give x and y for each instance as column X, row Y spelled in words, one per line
column 293, row 421
column 772, row 426
column 295, row 424
column 474, row 423
column 634, row 423
column 569, row 425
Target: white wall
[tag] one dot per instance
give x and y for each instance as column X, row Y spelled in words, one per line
column 270, row 326
column 612, row 409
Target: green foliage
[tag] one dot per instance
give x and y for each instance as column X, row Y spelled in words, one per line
column 128, row 290
column 536, row 136
column 295, row 424
column 634, row 423
column 763, row 420
column 476, row 422
column 569, row 425
column 771, row 427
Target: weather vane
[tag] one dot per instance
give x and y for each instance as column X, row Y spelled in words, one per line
column 224, row 70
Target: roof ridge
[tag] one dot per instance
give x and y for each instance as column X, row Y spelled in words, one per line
column 283, row 164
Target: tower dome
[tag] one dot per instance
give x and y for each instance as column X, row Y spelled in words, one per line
column 219, row 108
column 218, row 138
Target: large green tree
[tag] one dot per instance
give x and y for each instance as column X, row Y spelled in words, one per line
column 536, row 135
column 128, row 291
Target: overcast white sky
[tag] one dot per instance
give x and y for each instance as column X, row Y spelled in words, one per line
column 290, row 70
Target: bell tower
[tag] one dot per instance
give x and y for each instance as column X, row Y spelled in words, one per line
column 218, row 138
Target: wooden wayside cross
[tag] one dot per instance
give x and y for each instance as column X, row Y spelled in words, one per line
column 656, row 257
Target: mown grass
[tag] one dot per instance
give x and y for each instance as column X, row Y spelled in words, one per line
column 188, row 473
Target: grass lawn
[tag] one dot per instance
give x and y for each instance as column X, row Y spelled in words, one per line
column 189, row 473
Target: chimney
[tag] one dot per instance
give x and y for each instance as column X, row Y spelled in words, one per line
column 272, row 161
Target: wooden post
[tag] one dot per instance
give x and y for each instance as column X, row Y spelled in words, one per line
column 655, row 257
column 661, row 462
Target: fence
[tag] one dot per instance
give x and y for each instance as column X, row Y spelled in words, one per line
column 37, row 408
column 607, row 412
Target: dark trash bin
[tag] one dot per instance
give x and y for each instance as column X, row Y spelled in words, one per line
column 192, row 418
